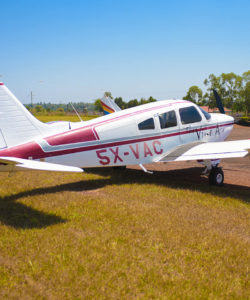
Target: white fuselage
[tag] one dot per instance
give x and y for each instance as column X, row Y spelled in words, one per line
column 134, row 136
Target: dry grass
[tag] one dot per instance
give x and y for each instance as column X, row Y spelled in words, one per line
column 112, row 235
column 71, row 118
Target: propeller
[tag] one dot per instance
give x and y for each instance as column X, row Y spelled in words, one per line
column 219, row 102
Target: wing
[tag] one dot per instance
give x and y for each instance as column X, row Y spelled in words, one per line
column 216, row 150
column 13, row 163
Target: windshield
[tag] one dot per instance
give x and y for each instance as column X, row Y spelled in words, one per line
column 206, row 114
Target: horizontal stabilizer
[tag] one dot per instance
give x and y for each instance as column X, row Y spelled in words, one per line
column 215, row 150
column 23, row 164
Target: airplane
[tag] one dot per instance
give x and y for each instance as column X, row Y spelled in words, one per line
column 161, row 131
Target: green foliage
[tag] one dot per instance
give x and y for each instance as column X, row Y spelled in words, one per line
column 246, row 96
column 39, row 109
column 233, row 89
column 120, row 102
column 194, row 94
column 98, row 106
column 108, row 94
column 132, row 103
column 60, row 111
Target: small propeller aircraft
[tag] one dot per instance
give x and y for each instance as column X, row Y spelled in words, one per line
column 162, row 131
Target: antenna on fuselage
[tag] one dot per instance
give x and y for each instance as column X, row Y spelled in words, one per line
column 76, row 112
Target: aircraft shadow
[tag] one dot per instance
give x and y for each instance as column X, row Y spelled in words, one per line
column 20, row 216
column 188, row 178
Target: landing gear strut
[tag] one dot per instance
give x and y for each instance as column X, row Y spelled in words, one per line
column 216, row 176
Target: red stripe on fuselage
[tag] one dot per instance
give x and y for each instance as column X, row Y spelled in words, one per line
column 69, row 137
column 28, row 150
column 33, row 150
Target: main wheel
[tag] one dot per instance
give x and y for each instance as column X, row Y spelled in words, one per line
column 216, row 176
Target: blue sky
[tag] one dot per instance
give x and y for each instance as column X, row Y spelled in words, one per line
column 72, row 50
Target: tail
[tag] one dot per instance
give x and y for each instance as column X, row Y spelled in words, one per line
column 109, row 106
column 17, row 124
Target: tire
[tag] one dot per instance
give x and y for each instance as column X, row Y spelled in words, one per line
column 216, row 177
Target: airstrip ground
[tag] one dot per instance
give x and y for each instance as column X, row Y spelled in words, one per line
column 126, row 234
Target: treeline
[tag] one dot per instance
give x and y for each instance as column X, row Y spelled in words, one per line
column 234, row 91
column 41, row 108
column 122, row 104
column 83, row 107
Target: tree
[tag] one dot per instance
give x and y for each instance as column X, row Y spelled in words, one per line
column 232, row 85
column 246, row 95
column 133, row 102
column 60, row 111
column 142, row 101
column 194, row 94
column 213, row 82
column 108, row 94
column 151, row 99
column 120, row 103
column 246, row 76
column 39, row 109
column 98, row 106
column 227, row 85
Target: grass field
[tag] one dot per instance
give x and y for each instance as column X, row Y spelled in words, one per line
column 109, row 234
column 71, row 118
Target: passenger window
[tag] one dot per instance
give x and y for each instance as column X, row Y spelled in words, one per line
column 147, row 124
column 189, row 115
column 168, row 119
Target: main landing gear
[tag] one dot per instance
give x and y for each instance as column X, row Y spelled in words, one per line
column 216, row 176
column 214, row 173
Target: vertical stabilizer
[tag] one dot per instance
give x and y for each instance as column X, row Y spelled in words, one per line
column 17, row 124
column 109, row 106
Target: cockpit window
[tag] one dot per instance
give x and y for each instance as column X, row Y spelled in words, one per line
column 206, row 114
column 168, row 119
column 189, row 115
column 147, row 124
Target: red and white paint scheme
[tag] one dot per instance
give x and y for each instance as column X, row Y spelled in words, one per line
column 162, row 131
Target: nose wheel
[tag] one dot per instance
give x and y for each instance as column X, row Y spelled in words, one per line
column 216, row 176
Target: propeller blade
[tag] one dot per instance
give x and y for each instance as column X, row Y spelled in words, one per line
column 219, row 102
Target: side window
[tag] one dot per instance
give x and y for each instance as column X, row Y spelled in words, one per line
column 168, row 119
column 189, row 115
column 147, row 124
